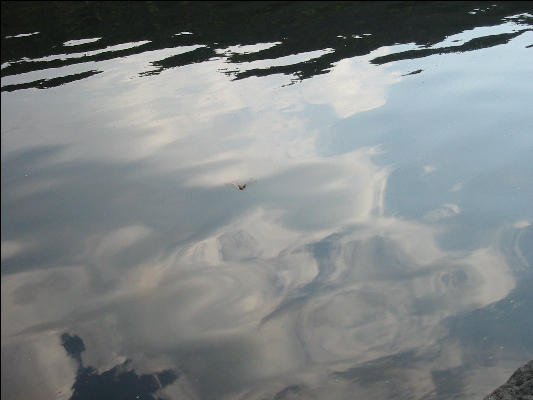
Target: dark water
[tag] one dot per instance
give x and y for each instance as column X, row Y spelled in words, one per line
column 382, row 248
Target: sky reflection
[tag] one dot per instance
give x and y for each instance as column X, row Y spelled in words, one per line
column 381, row 212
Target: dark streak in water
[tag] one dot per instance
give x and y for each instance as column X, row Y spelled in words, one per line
column 199, row 55
column 474, row 44
column 50, row 83
column 413, row 73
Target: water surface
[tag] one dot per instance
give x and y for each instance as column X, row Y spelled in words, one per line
column 381, row 249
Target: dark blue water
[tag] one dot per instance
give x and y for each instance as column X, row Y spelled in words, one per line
column 381, row 249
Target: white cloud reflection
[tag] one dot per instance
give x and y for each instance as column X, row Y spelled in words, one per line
column 352, row 86
column 446, row 211
column 79, row 42
column 428, row 169
column 119, row 239
column 522, row 224
column 11, row 248
column 246, row 49
column 142, row 118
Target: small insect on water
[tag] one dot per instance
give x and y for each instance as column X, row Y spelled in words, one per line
column 244, row 185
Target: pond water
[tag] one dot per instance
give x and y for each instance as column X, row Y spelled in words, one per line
column 382, row 247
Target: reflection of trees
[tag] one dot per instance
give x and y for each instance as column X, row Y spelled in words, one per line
column 349, row 28
column 48, row 83
column 120, row 382
column 474, row 44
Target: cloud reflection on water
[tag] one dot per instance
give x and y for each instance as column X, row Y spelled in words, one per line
column 286, row 288
column 308, row 291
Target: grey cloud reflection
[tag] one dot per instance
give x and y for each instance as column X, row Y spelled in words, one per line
column 155, row 119
column 45, row 371
column 11, row 248
column 363, row 87
column 309, row 278
column 311, row 292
